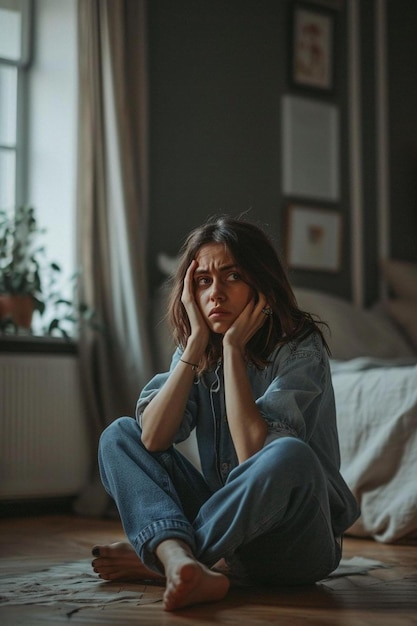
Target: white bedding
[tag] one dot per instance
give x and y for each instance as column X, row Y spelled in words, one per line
column 375, row 387
column 376, row 404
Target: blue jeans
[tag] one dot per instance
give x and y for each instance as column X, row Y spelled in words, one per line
column 271, row 519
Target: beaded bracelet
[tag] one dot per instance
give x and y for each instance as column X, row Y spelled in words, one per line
column 194, row 367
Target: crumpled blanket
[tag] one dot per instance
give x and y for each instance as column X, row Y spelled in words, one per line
column 376, row 403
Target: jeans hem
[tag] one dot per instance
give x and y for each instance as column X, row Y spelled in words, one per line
column 151, row 536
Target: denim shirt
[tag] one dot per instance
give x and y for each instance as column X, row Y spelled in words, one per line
column 294, row 394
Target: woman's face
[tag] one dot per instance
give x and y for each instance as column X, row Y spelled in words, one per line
column 220, row 290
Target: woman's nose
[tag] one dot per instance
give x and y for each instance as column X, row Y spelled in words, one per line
column 217, row 293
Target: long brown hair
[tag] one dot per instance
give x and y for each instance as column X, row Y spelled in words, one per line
column 262, row 269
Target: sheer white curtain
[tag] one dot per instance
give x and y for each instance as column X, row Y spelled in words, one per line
column 112, row 215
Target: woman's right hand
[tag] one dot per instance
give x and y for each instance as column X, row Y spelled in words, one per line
column 200, row 332
column 162, row 417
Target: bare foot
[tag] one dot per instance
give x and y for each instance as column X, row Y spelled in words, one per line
column 119, row 561
column 188, row 581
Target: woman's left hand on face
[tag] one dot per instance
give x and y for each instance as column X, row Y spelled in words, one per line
column 247, row 323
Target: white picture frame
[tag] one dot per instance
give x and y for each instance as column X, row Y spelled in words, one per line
column 314, row 238
column 310, row 149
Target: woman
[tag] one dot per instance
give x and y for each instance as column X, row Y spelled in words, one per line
column 251, row 375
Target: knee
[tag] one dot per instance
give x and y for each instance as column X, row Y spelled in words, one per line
column 118, row 433
column 289, row 456
column 288, row 447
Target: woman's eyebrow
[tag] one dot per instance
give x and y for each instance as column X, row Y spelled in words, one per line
column 222, row 268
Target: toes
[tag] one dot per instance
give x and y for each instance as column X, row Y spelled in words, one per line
column 113, row 550
column 103, row 551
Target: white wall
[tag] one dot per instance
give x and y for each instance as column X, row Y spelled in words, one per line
column 52, row 126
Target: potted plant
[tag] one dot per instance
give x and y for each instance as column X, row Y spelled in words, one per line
column 21, row 258
column 29, row 282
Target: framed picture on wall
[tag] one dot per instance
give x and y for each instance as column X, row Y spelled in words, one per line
column 312, row 63
column 314, row 239
column 310, row 149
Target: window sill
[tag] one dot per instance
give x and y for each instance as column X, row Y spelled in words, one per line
column 34, row 344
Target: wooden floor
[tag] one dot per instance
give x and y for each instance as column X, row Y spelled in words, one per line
column 384, row 597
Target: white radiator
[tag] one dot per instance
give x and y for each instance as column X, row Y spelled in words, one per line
column 44, row 448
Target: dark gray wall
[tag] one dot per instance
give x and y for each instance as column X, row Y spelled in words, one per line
column 218, row 70
column 402, row 68
column 215, row 83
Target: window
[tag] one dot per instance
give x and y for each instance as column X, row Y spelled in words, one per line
column 14, row 61
column 38, row 119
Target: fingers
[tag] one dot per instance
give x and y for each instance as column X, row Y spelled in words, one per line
column 262, row 309
column 248, row 323
column 198, row 326
column 188, row 290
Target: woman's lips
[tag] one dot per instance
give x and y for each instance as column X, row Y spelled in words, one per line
column 218, row 313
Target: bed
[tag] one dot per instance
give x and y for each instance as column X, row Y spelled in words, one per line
column 374, row 370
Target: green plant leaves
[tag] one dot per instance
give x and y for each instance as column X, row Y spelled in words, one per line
column 26, row 270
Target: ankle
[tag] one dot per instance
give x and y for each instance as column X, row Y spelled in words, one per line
column 173, row 549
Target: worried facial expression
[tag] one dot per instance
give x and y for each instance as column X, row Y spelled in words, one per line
column 220, row 290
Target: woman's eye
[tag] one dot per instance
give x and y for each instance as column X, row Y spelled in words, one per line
column 203, row 280
column 234, row 276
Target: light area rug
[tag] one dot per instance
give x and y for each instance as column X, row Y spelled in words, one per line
column 73, row 583
column 78, row 587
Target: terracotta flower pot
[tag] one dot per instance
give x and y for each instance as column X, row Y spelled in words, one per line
column 18, row 308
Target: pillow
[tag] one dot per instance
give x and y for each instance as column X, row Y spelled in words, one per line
column 401, row 276
column 404, row 313
column 354, row 332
